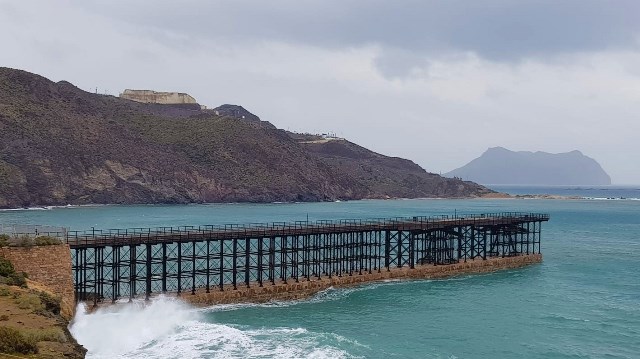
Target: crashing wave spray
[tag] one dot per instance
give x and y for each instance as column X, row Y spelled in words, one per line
column 124, row 327
column 168, row 328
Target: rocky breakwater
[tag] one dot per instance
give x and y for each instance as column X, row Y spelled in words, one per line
column 294, row 290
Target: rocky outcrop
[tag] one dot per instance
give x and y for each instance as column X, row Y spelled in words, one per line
column 235, row 111
column 166, row 98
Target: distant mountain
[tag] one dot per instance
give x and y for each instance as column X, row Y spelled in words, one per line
column 500, row 166
column 60, row 145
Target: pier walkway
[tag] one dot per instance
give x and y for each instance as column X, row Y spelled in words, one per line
column 114, row 264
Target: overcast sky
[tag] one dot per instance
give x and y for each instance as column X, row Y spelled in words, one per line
column 437, row 82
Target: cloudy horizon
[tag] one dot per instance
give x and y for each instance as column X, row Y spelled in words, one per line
column 435, row 82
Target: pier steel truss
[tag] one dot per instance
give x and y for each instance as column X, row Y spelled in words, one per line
column 115, row 264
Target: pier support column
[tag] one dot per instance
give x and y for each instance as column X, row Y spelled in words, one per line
column 387, row 250
column 148, row 279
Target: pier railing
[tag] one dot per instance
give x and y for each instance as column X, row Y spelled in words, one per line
column 33, row 230
column 116, row 263
column 95, row 237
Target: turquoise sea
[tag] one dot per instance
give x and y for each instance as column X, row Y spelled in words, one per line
column 583, row 301
column 618, row 192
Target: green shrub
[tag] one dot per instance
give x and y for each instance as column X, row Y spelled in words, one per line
column 9, row 275
column 24, row 241
column 47, row 241
column 12, row 341
column 4, row 240
column 6, row 268
column 17, row 279
column 51, row 303
column 4, row 291
column 30, row 301
column 45, row 335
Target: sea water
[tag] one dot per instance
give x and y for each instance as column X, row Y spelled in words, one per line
column 612, row 192
column 583, row 301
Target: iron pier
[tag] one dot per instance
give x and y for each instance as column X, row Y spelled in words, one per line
column 127, row 263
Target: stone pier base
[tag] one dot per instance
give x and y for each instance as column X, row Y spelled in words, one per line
column 303, row 288
column 49, row 266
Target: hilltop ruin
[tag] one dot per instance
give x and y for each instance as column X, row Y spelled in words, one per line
column 164, row 98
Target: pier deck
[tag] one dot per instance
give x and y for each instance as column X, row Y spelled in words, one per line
column 112, row 264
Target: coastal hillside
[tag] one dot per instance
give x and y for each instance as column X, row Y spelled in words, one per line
column 60, row 145
column 500, row 166
column 392, row 176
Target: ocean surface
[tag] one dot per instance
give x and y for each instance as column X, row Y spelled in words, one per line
column 583, row 301
column 587, row 192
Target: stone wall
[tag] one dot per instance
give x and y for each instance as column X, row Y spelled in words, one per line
column 49, row 266
column 292, row 290
column 148, row 96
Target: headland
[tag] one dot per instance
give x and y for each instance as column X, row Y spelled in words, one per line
column 63, row 145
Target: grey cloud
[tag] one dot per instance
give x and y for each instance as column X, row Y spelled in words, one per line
column 397, row 63
column 495, row 29
column 214, row 51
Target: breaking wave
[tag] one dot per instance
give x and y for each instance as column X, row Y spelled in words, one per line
column 166, row 327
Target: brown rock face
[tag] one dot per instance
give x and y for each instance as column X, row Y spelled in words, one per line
column 49, row 266
column 60, row 145
column 49, row 269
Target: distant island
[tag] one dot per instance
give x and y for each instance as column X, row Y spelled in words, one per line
column 61, row 145
column 501, row 166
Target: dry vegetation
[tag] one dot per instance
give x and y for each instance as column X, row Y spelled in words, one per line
column 30, row 322
column 25, row 240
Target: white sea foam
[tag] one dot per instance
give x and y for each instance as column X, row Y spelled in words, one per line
column 210, row 340
column 611, row 198
column 326, row 295
column 24, row 209
column 47, row 208
column 168, row 328
column 115, row 330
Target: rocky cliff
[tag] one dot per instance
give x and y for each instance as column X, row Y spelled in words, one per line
column 500, row 166
column 60, row 145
